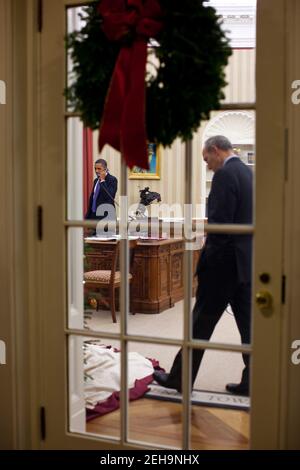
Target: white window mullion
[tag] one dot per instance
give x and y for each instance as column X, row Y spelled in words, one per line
column 188, row 283
column 237, row 229
column 195, row 344
column 124, row 302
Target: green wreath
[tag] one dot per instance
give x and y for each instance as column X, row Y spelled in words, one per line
column 193, row 51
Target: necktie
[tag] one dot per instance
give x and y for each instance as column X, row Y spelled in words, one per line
column 96, row 193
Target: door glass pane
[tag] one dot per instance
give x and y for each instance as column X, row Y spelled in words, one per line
column 75, row 22
column 219, row 419
column 93, row 282
column 157, row 286
column 82, row 167
column 94, row 385
column 239, row 128
column 75, row 169
column 151, row 420
column 77, row 413
column 75, row 252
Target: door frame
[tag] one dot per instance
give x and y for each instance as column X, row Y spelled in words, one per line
column 290, row 378
column 270, row 128
column 277, row 431
column 19, row 194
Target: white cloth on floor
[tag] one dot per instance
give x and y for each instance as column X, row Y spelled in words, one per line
column 103, row 372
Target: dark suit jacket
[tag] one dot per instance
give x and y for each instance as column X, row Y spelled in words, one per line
column 230, row 202
column 106, row 195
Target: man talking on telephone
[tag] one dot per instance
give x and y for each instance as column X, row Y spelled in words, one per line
column 102, row 198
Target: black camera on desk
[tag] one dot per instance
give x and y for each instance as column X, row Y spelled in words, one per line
column 146, row 198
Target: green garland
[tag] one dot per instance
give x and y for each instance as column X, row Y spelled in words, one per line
column 193, row 51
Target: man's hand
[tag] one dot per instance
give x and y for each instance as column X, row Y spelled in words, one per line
column 102, row 175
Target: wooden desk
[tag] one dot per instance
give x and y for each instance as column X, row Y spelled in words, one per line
column 157, row 272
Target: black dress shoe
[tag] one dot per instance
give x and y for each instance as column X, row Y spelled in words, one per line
column 238, row 389
column 162, row 378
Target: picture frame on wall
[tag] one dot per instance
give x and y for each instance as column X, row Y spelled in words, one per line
column 154, row 165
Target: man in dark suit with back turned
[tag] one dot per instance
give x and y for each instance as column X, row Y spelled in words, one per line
column 224, row 267
column 103, row 193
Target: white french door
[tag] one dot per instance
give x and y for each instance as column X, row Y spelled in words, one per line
column 61, row 315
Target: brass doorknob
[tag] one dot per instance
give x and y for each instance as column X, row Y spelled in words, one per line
column 264, row 301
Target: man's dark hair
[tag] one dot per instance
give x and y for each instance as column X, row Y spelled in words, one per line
column 102, row 162
column 219, row 141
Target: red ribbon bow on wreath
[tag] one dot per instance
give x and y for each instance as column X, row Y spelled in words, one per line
column 123, row 124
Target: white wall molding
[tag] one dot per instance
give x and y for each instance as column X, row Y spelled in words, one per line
column 238, row 20
column 237, row 126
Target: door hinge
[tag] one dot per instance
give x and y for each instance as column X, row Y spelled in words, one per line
column 283, row 288
column 40, row 15
column 40, row 223
column 43, row 422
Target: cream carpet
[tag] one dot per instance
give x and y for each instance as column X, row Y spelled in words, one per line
column 217, row 368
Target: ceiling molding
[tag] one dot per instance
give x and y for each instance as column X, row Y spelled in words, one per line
column 238, row 20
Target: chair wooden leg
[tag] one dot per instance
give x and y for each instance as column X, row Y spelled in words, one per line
column 113, row 304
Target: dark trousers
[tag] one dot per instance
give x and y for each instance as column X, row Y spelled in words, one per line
column 217, row 288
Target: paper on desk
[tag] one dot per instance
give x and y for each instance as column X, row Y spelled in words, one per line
column 101, row 238
column 113, row 238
